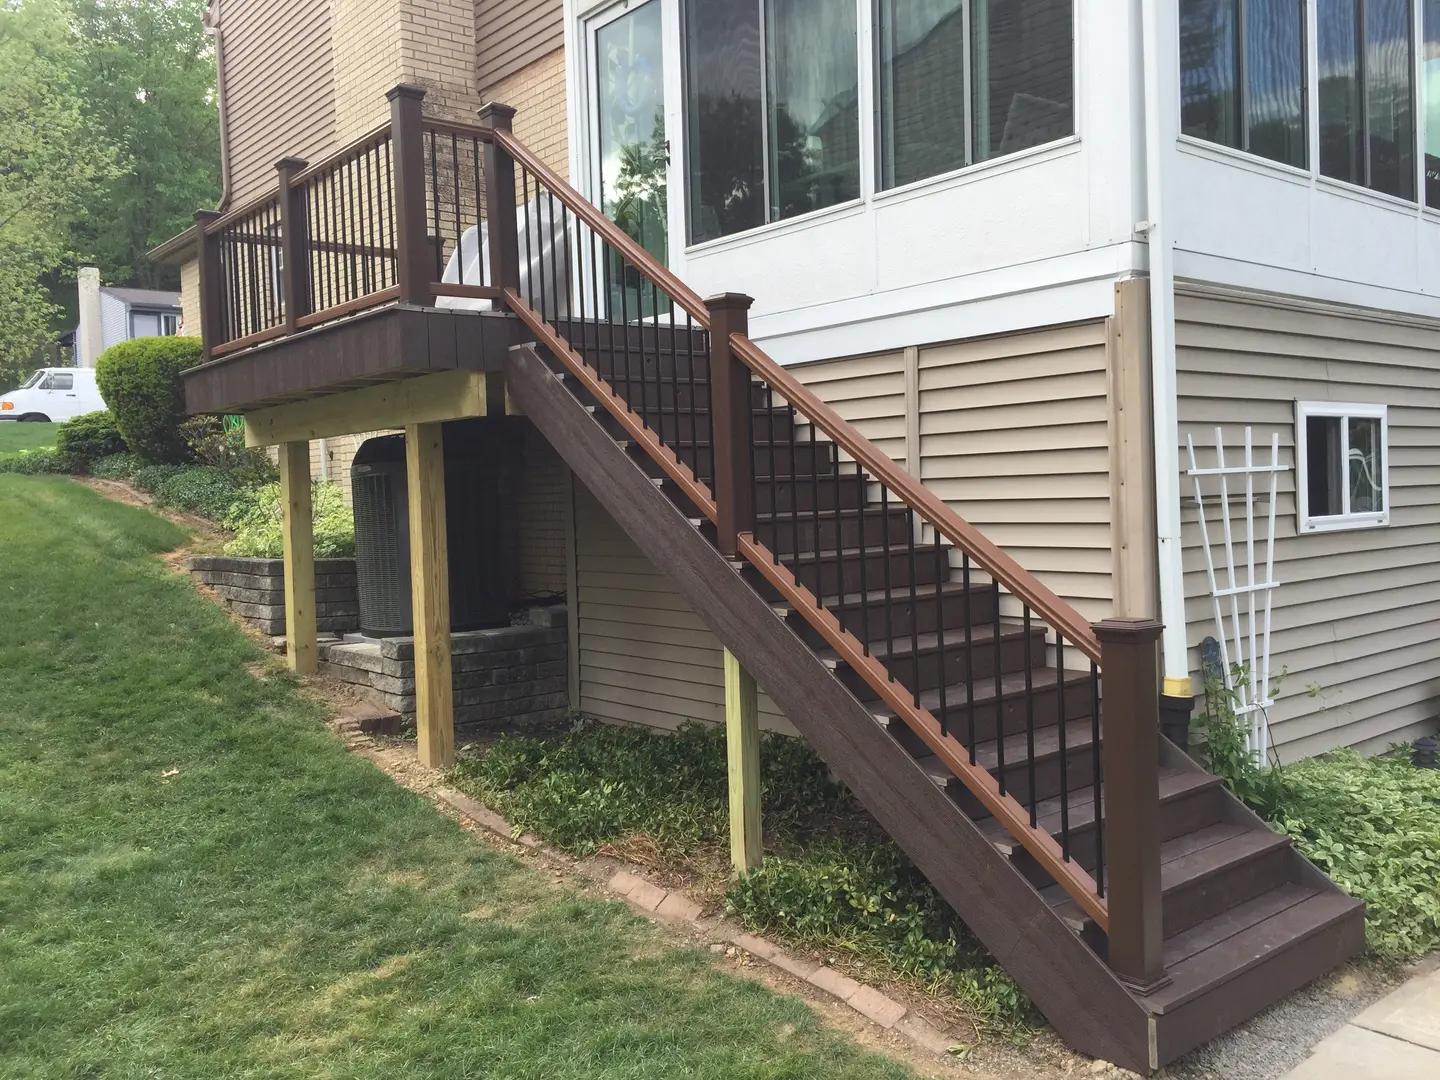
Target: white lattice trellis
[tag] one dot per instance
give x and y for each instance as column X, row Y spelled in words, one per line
column 1246, row 670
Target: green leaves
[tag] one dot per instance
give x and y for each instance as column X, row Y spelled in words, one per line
column 257, row 519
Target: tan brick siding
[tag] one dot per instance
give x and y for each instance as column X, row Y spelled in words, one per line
column 190, row 298
column 339, row 455
column 537, row 93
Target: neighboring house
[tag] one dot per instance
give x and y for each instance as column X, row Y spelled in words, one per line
column 1023, row 251
column 111, row 315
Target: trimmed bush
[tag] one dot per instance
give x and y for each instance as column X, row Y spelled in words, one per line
column 89, row 436
column 257, row 523
column 140, row 382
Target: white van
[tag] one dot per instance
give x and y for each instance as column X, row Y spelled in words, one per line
column 53, row 394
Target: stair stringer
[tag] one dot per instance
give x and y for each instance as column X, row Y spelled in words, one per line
column 1089, row 1007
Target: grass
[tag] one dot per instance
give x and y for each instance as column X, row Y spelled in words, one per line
column 196, row 880
column 16, row 437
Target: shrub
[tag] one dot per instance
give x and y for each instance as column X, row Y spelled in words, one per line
column 203, row 490
column 210, row 444
column 120, row 466
column 257, row 522
column 140, row 382
column 34, row 462
column 89, row 436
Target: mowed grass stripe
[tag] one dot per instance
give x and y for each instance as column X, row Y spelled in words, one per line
column 277, row 907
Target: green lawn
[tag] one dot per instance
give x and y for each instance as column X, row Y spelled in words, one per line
column 197, row 881
column 16, row 437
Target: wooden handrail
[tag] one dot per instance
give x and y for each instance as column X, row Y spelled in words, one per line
column 368, row 141
column 241, row 212
column 455, row 127
column 607, row 230
column 1063, row 618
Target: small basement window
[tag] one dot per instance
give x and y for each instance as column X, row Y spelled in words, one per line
column 1343, row 466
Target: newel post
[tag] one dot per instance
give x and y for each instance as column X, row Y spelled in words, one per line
column 211, row 277
column 501, row 230
column 730, row 410
column 414, row 257
column 1130, row 760
column 294, row 243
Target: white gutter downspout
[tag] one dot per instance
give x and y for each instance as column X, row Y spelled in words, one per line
column 1158, row 106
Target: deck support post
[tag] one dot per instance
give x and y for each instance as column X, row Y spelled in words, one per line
column 742, row 753
column 730, row 410
column 1130, row 763
column 294, row 244
column 299, row 548
column 430, row 594
column 414, row 255
column 210, row 280
column 502, row 231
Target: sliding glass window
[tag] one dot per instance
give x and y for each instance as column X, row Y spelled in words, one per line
column 1242, row 76
column 962, row 81
column 772, row 111
column 1367, row 119
column 1430, row 89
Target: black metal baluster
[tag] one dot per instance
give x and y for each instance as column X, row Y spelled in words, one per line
column 1030, row 717
column 1099, row 779
column 597, row 308
column 459, row 230
column 839, row 516
column 252, row 263
column 860, row 508
column 481, row 261
column 1064, row 783
column 815, row 513
column 969, row 656
column 627, row 393
column 694, row 418
column 614, row 375
column 794, row 490
column 675, row 401
column 351, row 232
column 529, row 283
column 885, row 565
column 332, row 236
column 914, row 627
column 942, row 576
column 372, row 268
column 391, row 261
column 439, row 242
column 565, row 267
column 774, row 514
column 553, row 317
column 659, row 355
column 999, row 700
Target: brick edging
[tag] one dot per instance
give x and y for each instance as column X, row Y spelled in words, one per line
column 675, row 906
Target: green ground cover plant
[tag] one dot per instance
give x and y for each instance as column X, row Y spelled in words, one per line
column 198, row 881
column 1371, row 823
column 257, row 519
column 831, row 878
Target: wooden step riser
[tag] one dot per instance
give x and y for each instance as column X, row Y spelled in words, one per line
column 1197, row 901
column 1178, row 816
column 932, row 669
column 1045, row 711
column 786, row 536
column 924, row 616
column 825, row 577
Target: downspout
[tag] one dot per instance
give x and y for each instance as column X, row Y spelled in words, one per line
column 1176, row 696
column 213, row 28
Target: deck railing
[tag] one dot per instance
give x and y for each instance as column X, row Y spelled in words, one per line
column 379, row 221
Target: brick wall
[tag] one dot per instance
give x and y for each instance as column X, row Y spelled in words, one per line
column 339, row 456
column 538, row 93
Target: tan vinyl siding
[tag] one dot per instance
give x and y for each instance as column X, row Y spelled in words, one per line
column 867, row 391
column 190, row 298
column 645, row 656
column 1014, row 435
column 279, row 88
column 1357, row 614
column 511, row 34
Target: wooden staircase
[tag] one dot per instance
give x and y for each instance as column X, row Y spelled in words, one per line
column 1011, row 749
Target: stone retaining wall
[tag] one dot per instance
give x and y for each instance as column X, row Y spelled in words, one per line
column 255, row 590
column 512, row 674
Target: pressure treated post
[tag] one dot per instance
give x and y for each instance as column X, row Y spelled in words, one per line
column 414, row 257
column 500, row 227
column 1130, row 760
column 430, row 594
column 299, row 548
column 294, row 244
column 730, row 409
column 742, row 752
column 210, row 279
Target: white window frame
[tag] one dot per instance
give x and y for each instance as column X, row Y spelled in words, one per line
column 1345, row 520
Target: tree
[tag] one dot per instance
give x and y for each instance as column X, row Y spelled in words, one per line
column 53, row 158
column 146, row 72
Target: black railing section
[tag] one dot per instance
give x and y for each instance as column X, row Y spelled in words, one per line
column 247, row 247
column 454, row 203
column 620, row 317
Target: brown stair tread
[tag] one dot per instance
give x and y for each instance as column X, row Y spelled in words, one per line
column 1190, row 858
column 1286, row 925
column 929, row 641
column 1011, row 685
column 1174, row 783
